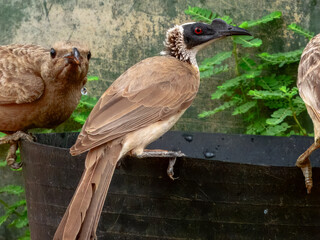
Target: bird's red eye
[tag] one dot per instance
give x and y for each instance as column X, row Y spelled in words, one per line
column 198, row 30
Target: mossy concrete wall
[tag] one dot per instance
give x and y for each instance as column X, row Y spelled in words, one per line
column 121, row 33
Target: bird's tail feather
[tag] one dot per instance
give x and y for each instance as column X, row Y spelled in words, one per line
column 82, row 215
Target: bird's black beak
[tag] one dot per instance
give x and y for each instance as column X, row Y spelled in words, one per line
column 223, row 29
column 73, row 57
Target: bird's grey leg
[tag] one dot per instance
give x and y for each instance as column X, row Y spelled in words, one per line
column 13, row 139
column 172, row 155
column 16, row 137
column 304, row 163
column 11, row 156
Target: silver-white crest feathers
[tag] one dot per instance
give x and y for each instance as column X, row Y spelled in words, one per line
column 175, row 46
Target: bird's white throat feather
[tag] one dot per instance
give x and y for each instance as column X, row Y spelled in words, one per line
column 175, row 46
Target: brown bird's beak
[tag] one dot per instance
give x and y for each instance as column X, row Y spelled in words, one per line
column 73, row 57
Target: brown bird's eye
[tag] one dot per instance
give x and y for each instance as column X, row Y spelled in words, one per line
column 198, row 30
column 89, row 55
column 53, row 53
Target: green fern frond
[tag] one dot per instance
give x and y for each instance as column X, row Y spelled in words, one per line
column 281, row 58
column 276, row 103
column 87, row 101
column 243, row 108
column 257, row 127
column 276, row 130
column 208, row 71
column 224, row 106
column 12, row 189
column 200, row 14
column 274, row 82
column 205, row 15
column 218, row 94
column 247, row 64
column 264, row 19
column 235, row 82
column 247, row 41
column 80, row 117
column 266, row 95
column 298, row 29
column 278, row 116
column 216, row 59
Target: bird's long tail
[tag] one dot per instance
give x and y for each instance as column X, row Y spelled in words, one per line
column 81, row 218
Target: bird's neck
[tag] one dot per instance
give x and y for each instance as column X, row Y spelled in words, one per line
column 175, row 47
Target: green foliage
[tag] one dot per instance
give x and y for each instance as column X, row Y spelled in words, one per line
column 224, row 106
column 200, row 14
column 85, row 106
column 205, row 15
column 83, row 109
column 294, row 27
column 12, row 189
column 247, row 41
column 244, row 107
column 265, row 19
column 209, row 66
column 92, row 78
column 281, row 58
column 268, row 102
column 16, row 213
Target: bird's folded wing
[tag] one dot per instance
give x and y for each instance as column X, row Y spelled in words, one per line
column 309, row 77
column 150, row 91
column 20, row 88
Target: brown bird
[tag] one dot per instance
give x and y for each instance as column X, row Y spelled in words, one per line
column 139, row 107
column 39, row 88
column 309, row 89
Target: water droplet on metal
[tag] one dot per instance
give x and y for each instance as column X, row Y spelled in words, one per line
column 84, row 91
column 209, row 154
column 266, row 211
column 188, row 138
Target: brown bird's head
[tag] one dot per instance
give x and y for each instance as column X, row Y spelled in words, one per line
column 67, row 61
column 184, row 41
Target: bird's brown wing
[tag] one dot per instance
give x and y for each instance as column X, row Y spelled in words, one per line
column 18, row 82
column 309, row 75
column 152, row 90
column 20, row 89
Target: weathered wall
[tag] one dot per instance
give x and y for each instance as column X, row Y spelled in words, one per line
column 122, row 33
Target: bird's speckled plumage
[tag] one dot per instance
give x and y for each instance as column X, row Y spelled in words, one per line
column 309, row 89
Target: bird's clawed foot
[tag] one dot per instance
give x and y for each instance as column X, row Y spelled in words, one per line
column 172, row 155
column 13, row 139
column 170, row 172
column 12, row 157
column 305, row 165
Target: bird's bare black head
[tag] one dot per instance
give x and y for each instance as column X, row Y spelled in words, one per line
column 196, row 34
column 184, row 41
